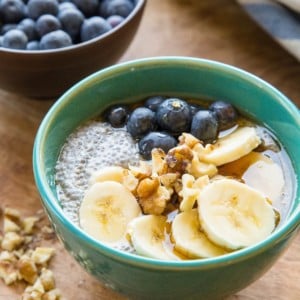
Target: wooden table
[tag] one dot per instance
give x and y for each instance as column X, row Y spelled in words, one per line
column 215, row 29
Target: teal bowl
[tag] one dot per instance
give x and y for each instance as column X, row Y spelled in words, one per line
column 140, row 277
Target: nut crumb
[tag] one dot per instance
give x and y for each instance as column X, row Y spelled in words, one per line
column 23, row 259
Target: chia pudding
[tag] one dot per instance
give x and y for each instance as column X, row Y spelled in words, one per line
column 90, row 147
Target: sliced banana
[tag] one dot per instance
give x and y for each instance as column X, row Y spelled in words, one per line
column 110, row 173
column 234, row 215
column 230, row 147
column 189, row 238
column 106, row 209
column 147, row 234
column 115, row 173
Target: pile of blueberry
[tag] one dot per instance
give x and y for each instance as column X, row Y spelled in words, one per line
column 159, row 122
column 51, row 24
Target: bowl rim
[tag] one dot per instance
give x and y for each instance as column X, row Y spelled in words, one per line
column 50, row 202
column 74, row 47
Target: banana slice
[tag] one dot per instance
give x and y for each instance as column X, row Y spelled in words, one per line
column 111, row 173
column 147, row 234
column 106, row 209
column 230, row 147
column 234, row 215
column 190, row 240
column 115, row 173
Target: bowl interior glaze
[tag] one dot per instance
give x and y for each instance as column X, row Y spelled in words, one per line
column 177, row 76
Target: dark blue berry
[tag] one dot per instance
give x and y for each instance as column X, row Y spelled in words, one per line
column 15, row 39
column 117, row 116
column 116, row 7
column 33, row 45
column 154, row 102
column 47, row 23
column 140, row 122
column 93, row 27
column 226, row 114
column 194, row 108
column 55, row 39
column 115, row 20
column 88, row 7
column 12, row 11
column 66, row 5
column 28, row 27
column 153, row 140
column 7, row 27
column 71, row 20
column 205, row 126
column 36, row 8
column 174, row 116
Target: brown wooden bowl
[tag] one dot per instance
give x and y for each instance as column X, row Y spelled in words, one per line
column 48, row 73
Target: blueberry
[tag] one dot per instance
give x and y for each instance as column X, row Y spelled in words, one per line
column 205, row 126
column 15, row 39
column 1, row 40
column 12, row 11
column 55, row 39
column 7, row 27
column 174, row 115
column 71, row 20
column 155, row 139
column 33, row 45
column 194, row 108
column 116, row 7
column 88, row 7
column 154, row 101
column 140, row 122
column 115, row 20
column 117, row 116
column 225, row 113
column 66, row 5
column 93, row 27
column 36, row 8
column 28, row 27
column 47, row 23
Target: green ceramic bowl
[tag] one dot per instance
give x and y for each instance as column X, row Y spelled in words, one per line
column 140, row 277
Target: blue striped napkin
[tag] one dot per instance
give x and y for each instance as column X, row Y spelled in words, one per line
column 280, row 18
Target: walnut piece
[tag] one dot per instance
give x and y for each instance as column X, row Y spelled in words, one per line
column 21, row 259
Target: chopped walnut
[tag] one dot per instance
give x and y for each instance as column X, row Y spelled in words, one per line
column 179, row 158
column 21, row 259
column 142, row 171
column 28, row 224
column 7, row 256
column 129, row 180
column 156, row 203
column 190, row 190
column 28, row 269
column 147, row 187
column 13, row 214
column 41, row 255
column 198, row 168
column 10, row 226
column 52, row 295
column 11, row 241
column 47, row 279
column 8, row 272
column 159, row 164
column 189, row 140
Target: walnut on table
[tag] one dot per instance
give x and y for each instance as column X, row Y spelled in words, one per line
column 22, row 260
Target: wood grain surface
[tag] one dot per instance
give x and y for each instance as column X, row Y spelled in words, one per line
column 214, row 29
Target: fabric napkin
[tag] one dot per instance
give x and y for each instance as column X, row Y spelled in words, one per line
column 280, row 18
